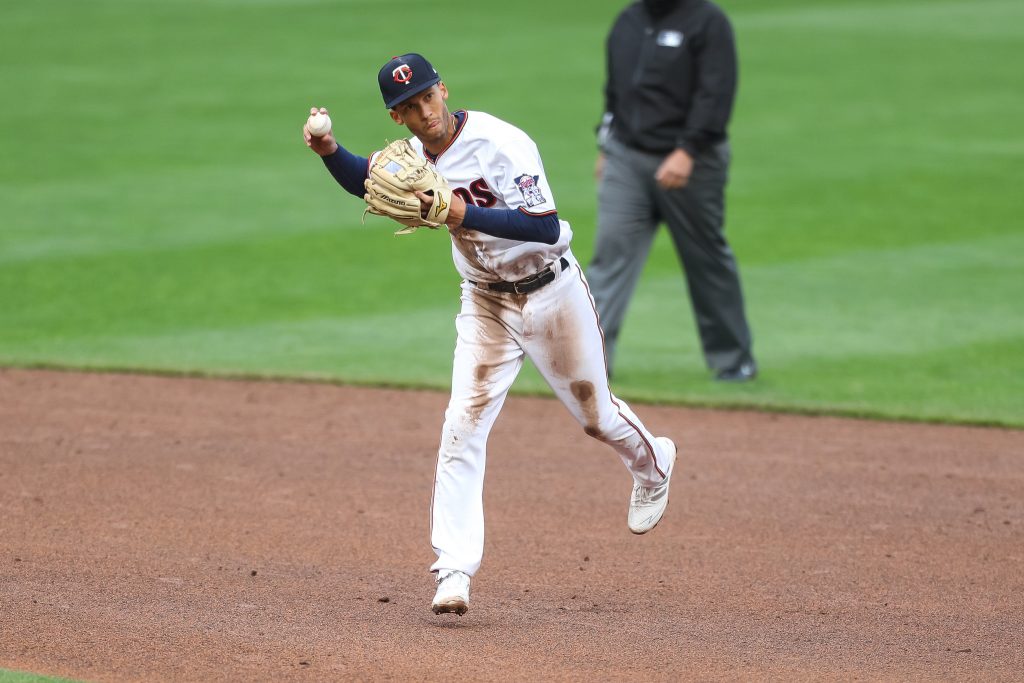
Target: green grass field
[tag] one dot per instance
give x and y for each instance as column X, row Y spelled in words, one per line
column 20, row 677
column 159, row 211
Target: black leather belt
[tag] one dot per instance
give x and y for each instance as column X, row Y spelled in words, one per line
column 528, row 284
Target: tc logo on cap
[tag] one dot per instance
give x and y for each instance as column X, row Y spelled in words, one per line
column 402, row 74
column 404, row 77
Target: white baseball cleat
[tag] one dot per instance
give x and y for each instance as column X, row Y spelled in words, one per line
column 452, row 593
column 648, row 503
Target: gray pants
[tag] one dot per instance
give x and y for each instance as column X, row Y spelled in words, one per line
column 630, row 207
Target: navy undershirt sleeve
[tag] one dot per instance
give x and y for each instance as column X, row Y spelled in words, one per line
column 348, row 169
column 513, row 224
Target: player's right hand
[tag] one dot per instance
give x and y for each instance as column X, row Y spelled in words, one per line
column 325, row 145
column 456, row 212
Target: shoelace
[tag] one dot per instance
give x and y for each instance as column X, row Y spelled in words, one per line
column 642, row 495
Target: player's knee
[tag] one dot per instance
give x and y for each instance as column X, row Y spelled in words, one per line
column 454, row 442
column 594, row 432
column 460, row 432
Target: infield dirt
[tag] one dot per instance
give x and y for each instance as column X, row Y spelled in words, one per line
column 159, row 528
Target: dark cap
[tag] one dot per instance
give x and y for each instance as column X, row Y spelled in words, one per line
column 405, row 76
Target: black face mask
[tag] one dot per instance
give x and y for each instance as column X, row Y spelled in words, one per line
column 659, row 8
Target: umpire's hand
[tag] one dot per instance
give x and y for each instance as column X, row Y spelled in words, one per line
column 675, row 170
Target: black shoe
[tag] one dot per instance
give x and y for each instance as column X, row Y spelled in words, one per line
column 744, row 372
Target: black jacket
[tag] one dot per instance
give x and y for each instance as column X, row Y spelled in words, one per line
column 671, row 81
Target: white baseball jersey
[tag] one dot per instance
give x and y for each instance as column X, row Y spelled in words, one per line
column 495, row 165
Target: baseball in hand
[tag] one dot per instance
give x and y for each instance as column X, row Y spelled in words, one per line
column 319, row 124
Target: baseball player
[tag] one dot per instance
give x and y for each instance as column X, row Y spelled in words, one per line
column 523, row 294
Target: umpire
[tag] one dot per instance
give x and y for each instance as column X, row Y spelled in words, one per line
column 665, row 158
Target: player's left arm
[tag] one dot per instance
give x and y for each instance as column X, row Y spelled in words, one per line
column 511, row 224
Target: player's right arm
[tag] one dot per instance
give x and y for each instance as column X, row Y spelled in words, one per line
column 348, row 169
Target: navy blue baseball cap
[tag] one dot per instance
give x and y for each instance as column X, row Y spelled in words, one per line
column 405, row 76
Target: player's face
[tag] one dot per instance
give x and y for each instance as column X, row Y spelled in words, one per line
column 426, row 116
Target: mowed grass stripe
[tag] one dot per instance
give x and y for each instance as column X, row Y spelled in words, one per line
column 324, row 348
column 975, row 19
column 970, row 390
column 222, row 285
column 898, row 301
column 912, row 319
column 123, row 215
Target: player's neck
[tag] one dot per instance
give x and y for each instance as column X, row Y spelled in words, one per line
column 435, row 147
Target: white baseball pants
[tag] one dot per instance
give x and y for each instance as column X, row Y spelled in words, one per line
column 557, row 327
